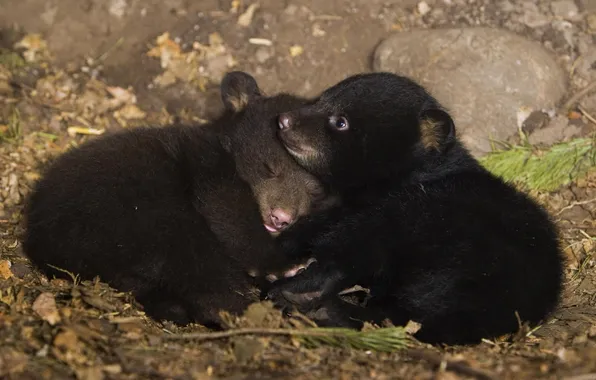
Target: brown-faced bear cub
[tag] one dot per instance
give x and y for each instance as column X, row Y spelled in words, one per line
column 169, row 213
column 435, row 237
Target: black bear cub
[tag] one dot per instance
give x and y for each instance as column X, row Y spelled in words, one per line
column 435, row 237
column 169, row 213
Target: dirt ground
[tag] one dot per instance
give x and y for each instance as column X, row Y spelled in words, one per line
column 99, row 66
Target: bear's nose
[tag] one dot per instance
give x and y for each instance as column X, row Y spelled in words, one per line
column 280, row 219
column 285, row 121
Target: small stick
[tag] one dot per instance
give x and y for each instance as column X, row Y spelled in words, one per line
column 572, row 205
column 586, row 114
column 231, row 333
column 574, row 99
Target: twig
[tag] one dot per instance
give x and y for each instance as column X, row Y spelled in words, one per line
column 75, row 278
column 572, row 205
column 586, row 114
column 580, row 94
column 237, row 332
column 450, row 365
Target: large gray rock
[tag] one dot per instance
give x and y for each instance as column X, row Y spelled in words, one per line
column 483, row 76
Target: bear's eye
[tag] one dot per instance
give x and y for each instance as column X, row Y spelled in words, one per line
column 339, row 123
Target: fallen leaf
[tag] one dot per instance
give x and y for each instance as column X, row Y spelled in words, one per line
column 166, row 49
column 121, row 95
column 412, row 327
column 574, row 115
column 296, row 50
column 129, row 112
column 34, row 45
column 12, row 362
column 234, row 6
column 5, row 272
column 45, row 307
column 246, row 18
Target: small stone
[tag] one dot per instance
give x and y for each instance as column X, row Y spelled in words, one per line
column 423, row 8
column 536, row 120
column 263, row 54
column 317, row 31
column 564, row 9
column 482, row 75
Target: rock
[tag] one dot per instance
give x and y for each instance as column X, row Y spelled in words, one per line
column 536, row 120
column 564, row 9
column 482, row 75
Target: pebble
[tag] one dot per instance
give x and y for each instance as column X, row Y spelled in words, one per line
column 482, row 75
column 423, row 8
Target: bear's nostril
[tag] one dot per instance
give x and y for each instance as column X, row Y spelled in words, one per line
column 284, row 121
column 280, row 218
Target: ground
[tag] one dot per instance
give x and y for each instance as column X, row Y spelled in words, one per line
column 98, row 66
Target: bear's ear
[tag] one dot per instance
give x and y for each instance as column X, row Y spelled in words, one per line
column 437, row 129
column 237, row 89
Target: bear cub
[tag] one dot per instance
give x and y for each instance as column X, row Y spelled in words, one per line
column 180, row 216
column 435, row 237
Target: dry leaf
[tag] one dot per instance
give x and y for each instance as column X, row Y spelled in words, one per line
column 12, row 362
column 246, row 18
column 574, row 115
column 412, row 327
column 202, row 64
column 5, row 272
column 296, row 50
column 45, row 307
column 234, row 6
column 129, row 112
column 68, row 348
column 121, row 95
column 166, row 49
column 35, row 47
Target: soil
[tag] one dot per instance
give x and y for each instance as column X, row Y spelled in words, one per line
column 92, row 75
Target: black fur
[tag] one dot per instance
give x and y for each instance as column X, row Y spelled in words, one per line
column 169, row 213
column 435, row 237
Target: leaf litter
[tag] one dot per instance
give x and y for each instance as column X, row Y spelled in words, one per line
column 54, row 328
